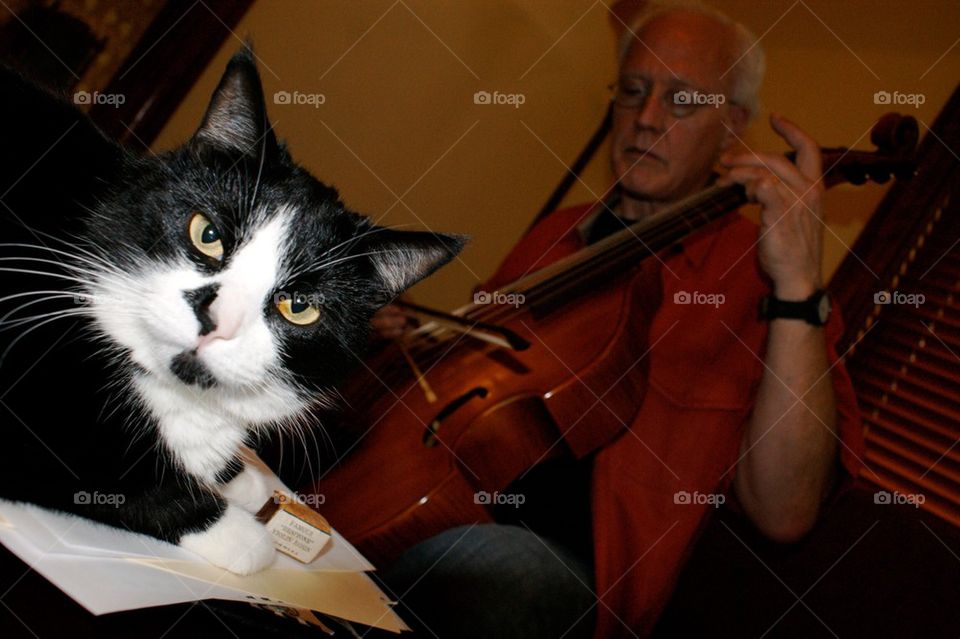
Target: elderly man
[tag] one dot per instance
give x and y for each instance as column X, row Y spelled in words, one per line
column 752, row 408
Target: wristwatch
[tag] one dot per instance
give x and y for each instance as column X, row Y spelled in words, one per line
column 814, row 310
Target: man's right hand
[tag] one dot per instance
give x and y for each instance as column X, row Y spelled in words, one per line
column 390, row 322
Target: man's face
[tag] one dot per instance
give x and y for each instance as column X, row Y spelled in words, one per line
column 655, row 154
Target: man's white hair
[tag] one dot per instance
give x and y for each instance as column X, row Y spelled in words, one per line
column 750, row 60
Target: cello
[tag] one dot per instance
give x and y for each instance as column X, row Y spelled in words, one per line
column 470, row 402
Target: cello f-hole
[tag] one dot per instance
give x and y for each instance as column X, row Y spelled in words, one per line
column 430, row 433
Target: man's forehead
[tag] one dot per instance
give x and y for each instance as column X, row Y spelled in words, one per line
column 682, row 47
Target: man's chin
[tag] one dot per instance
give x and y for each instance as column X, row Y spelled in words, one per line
column 647, row 176
column 646, row 188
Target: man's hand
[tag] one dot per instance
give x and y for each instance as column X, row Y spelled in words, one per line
column 390, row 322
column 790, row 195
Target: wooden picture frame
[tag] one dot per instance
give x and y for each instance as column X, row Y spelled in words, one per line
column 150, row 52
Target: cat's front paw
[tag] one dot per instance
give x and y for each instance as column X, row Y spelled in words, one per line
column 236, row 542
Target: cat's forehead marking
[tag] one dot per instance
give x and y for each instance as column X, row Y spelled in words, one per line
column 257, row 261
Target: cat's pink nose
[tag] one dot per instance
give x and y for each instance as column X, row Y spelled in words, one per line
column 226, row 322
column 216, row 334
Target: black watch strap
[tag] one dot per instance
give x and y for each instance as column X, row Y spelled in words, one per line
column 814, row 310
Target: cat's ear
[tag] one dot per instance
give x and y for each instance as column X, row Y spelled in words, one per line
column 236, row 118
column 403, row 258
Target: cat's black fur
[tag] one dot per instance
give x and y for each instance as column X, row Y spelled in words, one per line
column 69, row 424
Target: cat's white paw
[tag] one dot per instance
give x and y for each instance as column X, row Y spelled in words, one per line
column 236, row 542
column 249, row 489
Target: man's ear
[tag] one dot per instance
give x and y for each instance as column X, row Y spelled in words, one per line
column 236, row 118
column 402, row 258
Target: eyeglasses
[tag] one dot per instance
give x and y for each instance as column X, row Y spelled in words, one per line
column 633, row 93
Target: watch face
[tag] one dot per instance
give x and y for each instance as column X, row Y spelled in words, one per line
column 823, row 308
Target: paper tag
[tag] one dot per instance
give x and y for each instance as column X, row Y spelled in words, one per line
column 297, row 530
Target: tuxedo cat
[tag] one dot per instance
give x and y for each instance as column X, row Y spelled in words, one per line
column 157, row 312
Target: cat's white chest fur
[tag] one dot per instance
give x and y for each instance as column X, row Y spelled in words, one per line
column 202, row 439
column 205, row 428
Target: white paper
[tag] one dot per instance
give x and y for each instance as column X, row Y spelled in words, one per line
column 107, row 569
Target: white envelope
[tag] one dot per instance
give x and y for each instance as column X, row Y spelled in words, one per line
column 107, row 569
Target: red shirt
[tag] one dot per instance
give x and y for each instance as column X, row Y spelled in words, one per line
column 705, row 368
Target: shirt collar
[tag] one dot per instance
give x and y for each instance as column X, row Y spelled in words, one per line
column 698, row 244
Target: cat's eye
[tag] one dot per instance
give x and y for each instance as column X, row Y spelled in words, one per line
column 205, row 236
column 298, row 310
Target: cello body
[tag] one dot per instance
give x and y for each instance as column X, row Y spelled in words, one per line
column 578, row 386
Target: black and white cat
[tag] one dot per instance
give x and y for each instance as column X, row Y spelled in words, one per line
column 158, row 311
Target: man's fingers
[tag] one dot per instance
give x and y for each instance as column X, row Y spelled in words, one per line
column 775, row 164
column 743, row 175
column 809, row 160
column 761, row 185
column 809, row 164
column 390, row 322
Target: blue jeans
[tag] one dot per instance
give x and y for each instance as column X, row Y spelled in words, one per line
column 493, row 581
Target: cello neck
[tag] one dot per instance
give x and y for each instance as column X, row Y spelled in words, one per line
column 627, row 247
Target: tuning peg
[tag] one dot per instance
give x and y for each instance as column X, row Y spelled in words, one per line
column 895, row 133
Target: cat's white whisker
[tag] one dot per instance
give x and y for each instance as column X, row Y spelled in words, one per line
column 49, row 298
column 90, row 259
column 69, row 240
column 70, row 268
column 13, row 343
column 62, row 276
column 319, row 262
column 52, row 294
column 7, row 325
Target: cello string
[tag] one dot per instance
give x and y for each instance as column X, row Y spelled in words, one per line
column 630, row 253
column 623, row 245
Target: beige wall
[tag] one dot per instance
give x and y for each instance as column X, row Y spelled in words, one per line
column 399, row 118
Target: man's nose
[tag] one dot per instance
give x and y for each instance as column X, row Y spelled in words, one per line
column 652, row 114
column 200, row 300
